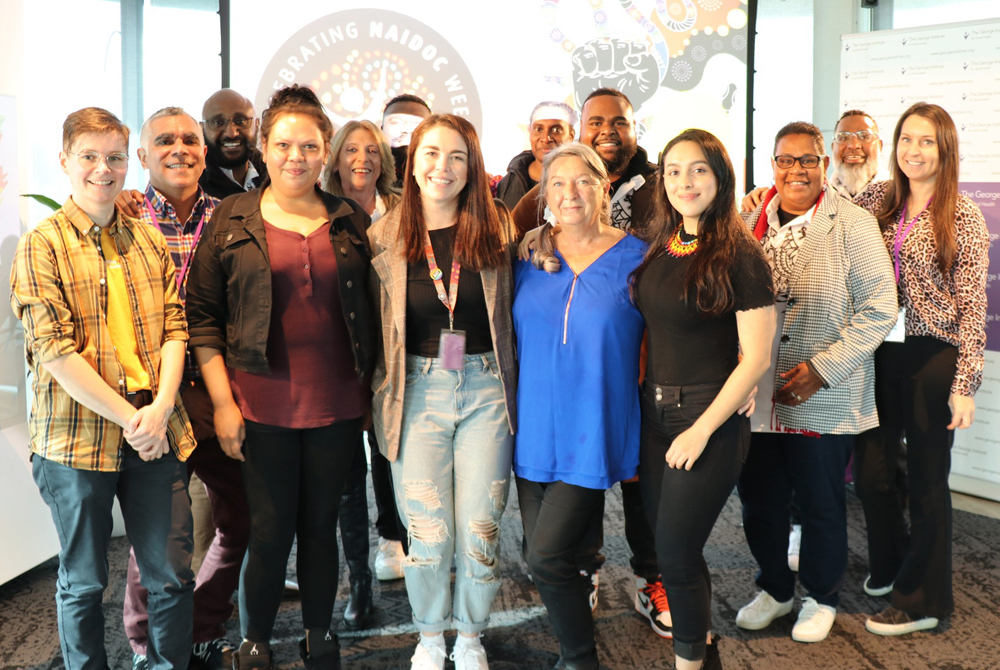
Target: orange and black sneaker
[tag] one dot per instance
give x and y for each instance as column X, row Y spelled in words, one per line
column 651, row 602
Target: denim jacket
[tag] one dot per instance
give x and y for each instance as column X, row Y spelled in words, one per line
column 229, row 287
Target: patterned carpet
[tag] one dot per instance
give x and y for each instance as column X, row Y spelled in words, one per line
column 520, row 638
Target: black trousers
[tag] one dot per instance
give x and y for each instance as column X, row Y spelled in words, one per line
column 813, row 468
column 638, row 535
column 912, row 386
column 683, row 505
column 557, row 517
column 353, row 516
column 294, row 480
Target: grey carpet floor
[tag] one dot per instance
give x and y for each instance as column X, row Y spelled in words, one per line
column 519, row 637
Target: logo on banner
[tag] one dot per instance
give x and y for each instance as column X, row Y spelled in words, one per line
column 357, row 60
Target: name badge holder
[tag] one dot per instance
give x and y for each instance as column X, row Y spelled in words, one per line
column 451, row 345
column 898, row 332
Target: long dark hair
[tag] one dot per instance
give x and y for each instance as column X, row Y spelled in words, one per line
column 480, row 238
column 722, row 235
column 945, row 184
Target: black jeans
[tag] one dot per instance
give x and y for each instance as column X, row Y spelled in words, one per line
column 557, row 517
column 912, row 386
column 638, row 534
column 294, row 480
column 683, row 505
column 388, row 523
column 813, row 468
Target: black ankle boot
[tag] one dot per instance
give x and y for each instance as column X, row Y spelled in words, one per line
column 712, row 659
column 359, row 603
column 253, row 656
column 320, row 650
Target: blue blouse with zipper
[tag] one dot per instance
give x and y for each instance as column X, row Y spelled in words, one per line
column 578, row 341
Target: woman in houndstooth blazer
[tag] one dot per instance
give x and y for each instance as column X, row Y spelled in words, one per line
column 835, row 304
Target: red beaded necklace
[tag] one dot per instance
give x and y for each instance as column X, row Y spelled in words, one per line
column 678, row 248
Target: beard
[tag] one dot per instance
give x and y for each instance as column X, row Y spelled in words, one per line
column 216, row 157
column 855, row 177
column 617, row 164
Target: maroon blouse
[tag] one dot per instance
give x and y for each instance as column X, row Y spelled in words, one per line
column 312, row 382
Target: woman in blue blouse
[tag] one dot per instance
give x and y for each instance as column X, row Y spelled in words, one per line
column 578, row 339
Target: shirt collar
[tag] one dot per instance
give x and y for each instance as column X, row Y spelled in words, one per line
column 166, row 211
column 250, row 181
column 84, row 225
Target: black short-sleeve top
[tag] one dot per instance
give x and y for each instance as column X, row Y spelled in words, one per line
column 686, row 346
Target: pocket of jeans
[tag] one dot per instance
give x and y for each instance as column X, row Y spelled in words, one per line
column 412, row 376
column 692, row 410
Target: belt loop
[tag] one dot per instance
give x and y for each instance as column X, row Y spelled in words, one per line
column 427, row 365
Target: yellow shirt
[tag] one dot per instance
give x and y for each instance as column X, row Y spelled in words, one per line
column 120, row 320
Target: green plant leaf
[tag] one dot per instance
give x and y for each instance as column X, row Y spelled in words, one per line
column 43, row 199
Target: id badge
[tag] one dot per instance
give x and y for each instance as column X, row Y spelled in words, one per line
column 451, row 349
column 898, row 332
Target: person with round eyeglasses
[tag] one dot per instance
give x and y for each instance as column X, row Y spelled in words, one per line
column 835, row 303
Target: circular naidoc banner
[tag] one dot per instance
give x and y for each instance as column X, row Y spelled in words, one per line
column 357, row 60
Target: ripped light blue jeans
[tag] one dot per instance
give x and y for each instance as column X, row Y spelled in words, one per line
column 451, row 479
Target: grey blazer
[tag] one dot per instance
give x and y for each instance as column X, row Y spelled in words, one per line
column 389, row 287
column 841, row 305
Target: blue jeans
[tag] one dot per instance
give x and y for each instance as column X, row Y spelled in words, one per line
column 151, row 494
column 451, row 479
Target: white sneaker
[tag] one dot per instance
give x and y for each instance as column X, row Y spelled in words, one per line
column 761, row 611
column 469, row 654
column 814, row 622
column 594, row 585
column 794, row 544
column 389, row 560
column 430, row 654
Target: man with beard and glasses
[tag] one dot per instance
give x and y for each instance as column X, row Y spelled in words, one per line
column 608, row 126
column 233, row 164
column 855, row 158
column 400, row 117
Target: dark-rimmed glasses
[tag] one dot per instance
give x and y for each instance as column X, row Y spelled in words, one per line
column 221, row 122
column 784, row 161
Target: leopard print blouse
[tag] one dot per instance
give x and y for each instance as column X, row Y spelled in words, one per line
column 950, row 308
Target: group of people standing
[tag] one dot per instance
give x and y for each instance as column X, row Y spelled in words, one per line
column 622, row 342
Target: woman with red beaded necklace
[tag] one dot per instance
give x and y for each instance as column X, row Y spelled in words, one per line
column 704, row 289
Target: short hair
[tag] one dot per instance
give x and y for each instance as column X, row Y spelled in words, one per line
column 856, row 112
column 92, row 120
column 543, row 258
column 159, row 114
column 407, row 97
column 607, row 90
column 296, row 99
column 383, row 186
column 572, row 116
column 802, row 128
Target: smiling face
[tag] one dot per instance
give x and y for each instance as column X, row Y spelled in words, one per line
column 359, row 163
column 799, row 187
column 95, row 187
column 573, row 193
column 174, row 154
column 441, row 165
column 609, row 127
column 295, row 154
column 917, row 150
column 690, row 184
column 546, row 134
column 230, row 145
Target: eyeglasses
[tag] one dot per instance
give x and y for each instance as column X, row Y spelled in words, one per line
column 784, row 161
column 91, row 159
column 221, row 122
column 862, row 135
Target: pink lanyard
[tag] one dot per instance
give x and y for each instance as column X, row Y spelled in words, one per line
column 194, row 243
column 897, row 245
column 451, row 298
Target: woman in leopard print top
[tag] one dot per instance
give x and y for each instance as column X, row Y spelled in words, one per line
column 927, row 377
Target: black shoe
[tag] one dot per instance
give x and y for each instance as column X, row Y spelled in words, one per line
column 359, row 603
column 215, row 655
column 712, row 659
column 253, row 656
column 589, row 664
column 323, row 651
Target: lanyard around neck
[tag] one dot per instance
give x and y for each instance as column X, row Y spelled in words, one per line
column 182, row 272
column 897, row 245
column 450, row 299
